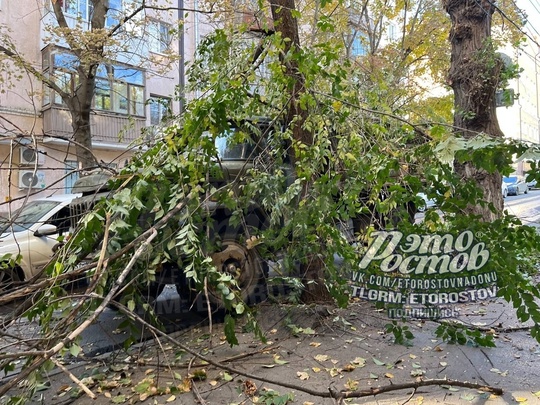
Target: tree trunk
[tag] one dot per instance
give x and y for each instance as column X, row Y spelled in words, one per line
column 284, row 22
column 474, row 74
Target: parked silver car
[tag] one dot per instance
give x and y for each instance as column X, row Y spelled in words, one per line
column 29, row 234
column 516, row 185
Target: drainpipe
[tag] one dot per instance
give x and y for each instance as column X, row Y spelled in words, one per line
column 182, row 62
column 537, row 94
column 520, row 164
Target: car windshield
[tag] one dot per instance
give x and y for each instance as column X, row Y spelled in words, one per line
column 510, row 180
column 25, row 217
column 229, row 150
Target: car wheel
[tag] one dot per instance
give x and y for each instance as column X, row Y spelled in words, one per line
column 233, row 257
column 505, row 193
column 245, row 266
column 526, row 190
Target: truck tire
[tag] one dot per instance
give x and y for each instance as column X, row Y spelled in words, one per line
column 243, row 263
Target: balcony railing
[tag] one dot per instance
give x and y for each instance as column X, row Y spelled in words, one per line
column 105, row 128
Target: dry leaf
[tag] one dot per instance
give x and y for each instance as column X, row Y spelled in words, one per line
column 249, row 388
column 389, row 375
column 315, row 344
column 316, row 369
column 302, row 375
column 352, row 385
column 185, row 386
column 349, row 367
column 171, row 398
column 333, row 372
column 213, row 383
column 321, row 357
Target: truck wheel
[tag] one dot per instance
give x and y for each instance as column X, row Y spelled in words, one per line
column 246, row 266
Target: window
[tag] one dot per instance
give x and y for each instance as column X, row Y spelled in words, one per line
column 114, row 13
column 118, row 89
column 360, row 44
column 160, row 108
column 70, row 169
column 159, row 38
column 77, row 8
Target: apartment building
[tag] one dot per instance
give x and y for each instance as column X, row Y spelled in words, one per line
column 134, row 90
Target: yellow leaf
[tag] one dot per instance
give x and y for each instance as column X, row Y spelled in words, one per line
column 321, row 357
column 316, row 369
column 302, row 375
column 333, row 372
column 361, row 362
column 352, row 385
column 213, row 383
column 521, row 399
column 315, row 344
column 389, row 375
column 171, row 398
column 412, row 356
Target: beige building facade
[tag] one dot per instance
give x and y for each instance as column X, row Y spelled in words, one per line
column 133, row 93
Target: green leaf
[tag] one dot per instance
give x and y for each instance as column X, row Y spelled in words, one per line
column 75, row 350
column 119, row 399
column 378, row 362
column 229, row 330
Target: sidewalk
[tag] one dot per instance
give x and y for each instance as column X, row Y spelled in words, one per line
column 317, row 348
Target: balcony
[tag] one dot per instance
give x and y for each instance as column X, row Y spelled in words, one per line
column 105, row 128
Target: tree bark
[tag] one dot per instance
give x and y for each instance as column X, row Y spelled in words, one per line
column 284, row 22
column 474, row 75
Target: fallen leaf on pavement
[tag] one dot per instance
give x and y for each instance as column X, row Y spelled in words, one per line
column 321, row 357
column 302, row 375
column 378, row 362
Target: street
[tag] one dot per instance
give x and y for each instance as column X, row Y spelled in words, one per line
column 525, row 206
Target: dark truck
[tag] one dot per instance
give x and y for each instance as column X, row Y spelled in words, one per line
column 231, row 251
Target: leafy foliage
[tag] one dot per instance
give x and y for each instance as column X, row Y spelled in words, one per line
column 362, row 171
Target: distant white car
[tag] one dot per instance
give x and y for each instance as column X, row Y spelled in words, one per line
column 32, row 232
column 425, row 202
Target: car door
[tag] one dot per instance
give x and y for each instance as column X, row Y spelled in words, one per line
column 47, row 235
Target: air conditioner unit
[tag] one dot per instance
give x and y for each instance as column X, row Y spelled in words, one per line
column 31, row 179
column 29, row 156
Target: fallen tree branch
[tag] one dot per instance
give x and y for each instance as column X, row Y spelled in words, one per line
column 75, row 379
column 338, row 395
column 38, row 361
column 417, row 384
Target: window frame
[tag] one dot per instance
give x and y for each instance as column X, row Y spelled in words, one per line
column 122, row 87
column 164, row 108
column 159, row 36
